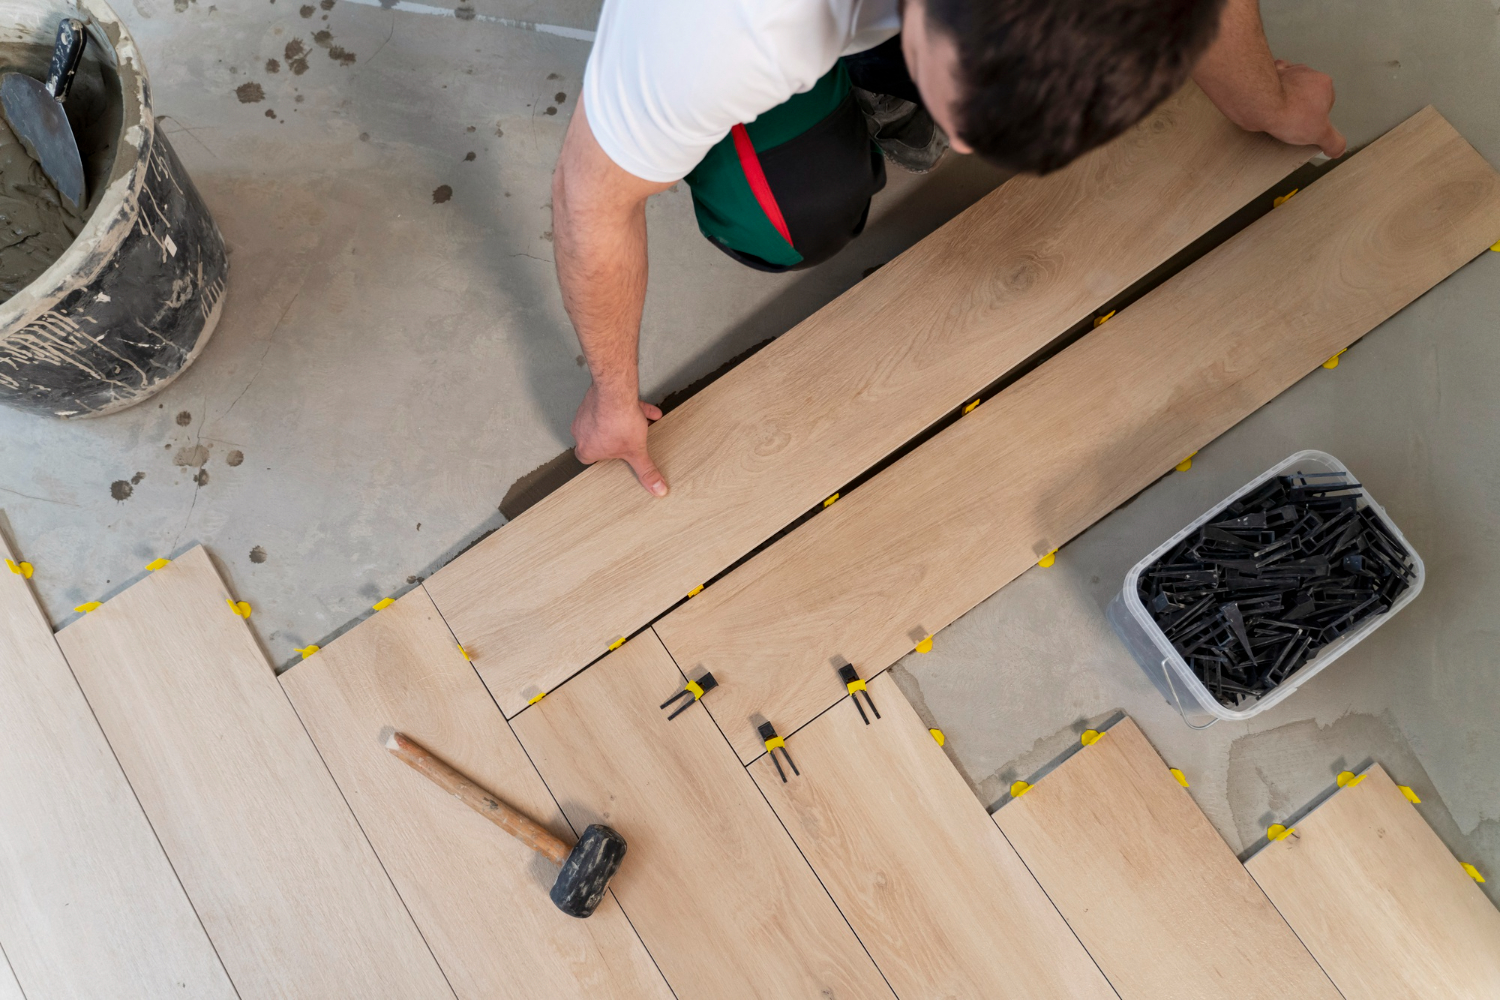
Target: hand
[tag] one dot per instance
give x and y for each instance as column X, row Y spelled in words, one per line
column 606, row 429
column 1307, row 97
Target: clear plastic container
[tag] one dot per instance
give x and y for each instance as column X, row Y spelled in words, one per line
column 1171, row 673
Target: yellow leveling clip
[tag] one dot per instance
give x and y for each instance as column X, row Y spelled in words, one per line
column 382, row 604
column 696, row 591
column 1411, row 796
column 1473, row 872
column 1181, row 778
column 616, row 644
column 773, row 743
column 1283, row 199
column 240, row 608
column 306, row 651
column 925, row 646
column 970, row 407
column 1278, row 832
column 1348, row 779
column 857, row 684
column 463, row 652
column 86, row 608
column 1101, row 320
column 20, row 569
column 536, row 698
column 157, row 564
column 1089, row 737
column 1186, row 463
column 1018, row 789
column 937, row 734
column 1333, row 362
column 830, row 500
column 1496, row 248
column 695, row 689
column 1047, row 560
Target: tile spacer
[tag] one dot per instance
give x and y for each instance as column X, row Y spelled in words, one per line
column 1276, row 832
column 1048, row 559
column 1473, row 872
column 1018, row 789
column 86, row 608
column 1101, row 320
column 616, row 644
column 1186, row 463
column 157, row 564
column 241, row 608
column 1348, row 779
column 1411, row 796
column 1333, row 362
column 382, row 604
column 925, row 646
column 937, row 734
column 1089, row 737
column 1181, row 778
column 306, row 651
column 1282, row 199
column 696, row 591
column 23, row 570
column 969, row 408
column 830, row 500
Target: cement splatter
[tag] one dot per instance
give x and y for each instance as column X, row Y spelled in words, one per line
column 327, row 4
column 469, row 156
column 464, row 12
column 341, row 55
column 181, row 6
column 250, row 93
column 121, row 490
column 193, row 456
column 560, row 97
column 234, row 458
column 272, row 66
column 270, row 112
column 441, row 194
column 201, row 479
column 184, row 418
column 308, row 10
column 135, row 480
column 296, row 56
column 499, row 132
column 257, row 555
column 550, row 110
column 323, row 38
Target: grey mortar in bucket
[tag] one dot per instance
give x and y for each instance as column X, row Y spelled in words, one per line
column 133, row 298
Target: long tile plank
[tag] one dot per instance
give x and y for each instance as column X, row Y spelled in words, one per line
column 9, row 988
column 934, row 891
column 599, row 558
column 969, row 511
column 478, row 895
column 89, row 906
column 1380, row 901
column 712, row 882
column 1156, row 896
column 287, row 887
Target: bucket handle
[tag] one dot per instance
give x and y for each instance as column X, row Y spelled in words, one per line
column 1166, row 670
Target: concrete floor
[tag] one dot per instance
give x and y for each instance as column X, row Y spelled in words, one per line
column 391, row 360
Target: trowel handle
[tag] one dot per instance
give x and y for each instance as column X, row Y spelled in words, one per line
column 66, row 55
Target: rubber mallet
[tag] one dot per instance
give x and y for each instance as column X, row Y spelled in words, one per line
column 586, row 867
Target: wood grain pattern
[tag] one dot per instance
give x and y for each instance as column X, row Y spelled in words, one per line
column 479, row 895
column 712, row 882
column 9, row 988
column 286, row 885
column 934, row 891
column 89, row 906
column 1158, row 899
column 1380, row 901
column 599, row 558
column 973, row 508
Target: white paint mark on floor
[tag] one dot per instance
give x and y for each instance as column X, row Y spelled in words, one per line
column 408, row 7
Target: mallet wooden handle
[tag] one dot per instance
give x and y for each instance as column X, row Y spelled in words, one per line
column 523, row 828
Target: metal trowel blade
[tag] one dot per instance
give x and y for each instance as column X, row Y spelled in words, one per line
column 42, row 126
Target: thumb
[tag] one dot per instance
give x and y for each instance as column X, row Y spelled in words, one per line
column 1333, row 143
column 647, row 472
column 652, row 411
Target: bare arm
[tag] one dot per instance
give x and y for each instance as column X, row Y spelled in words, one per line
column 1263, row 94
column 599, row 235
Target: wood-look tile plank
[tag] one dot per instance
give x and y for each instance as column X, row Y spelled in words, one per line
column 1380, row 900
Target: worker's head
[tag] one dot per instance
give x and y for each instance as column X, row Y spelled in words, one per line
column 1031, row 84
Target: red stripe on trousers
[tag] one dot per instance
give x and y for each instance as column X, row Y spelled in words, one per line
column 759, row 186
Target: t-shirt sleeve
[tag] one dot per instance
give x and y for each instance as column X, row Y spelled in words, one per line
column 668, row 79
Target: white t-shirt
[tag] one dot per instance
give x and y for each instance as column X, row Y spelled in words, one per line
column 668, row 79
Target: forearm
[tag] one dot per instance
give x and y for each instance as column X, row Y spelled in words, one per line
column 1238, row 72
column 601, row 267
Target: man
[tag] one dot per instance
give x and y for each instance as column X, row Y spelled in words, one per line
column 751, row 103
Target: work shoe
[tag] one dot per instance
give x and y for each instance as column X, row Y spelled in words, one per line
column 903, row 130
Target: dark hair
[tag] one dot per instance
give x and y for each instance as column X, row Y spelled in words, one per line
column 1044, row 81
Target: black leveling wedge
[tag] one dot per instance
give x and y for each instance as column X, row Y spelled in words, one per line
column 696, row 689
column 586, row 867
column 854, row 686
column 774, row 743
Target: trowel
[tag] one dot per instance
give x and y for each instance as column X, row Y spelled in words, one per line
column 34, row 110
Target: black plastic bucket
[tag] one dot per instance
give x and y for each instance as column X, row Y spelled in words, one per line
column 135, row 297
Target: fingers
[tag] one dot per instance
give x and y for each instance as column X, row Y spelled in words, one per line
column 652, row 412
column 1333, row 143
column 648, row 474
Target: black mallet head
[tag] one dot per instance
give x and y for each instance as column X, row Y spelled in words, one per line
column 585, row 875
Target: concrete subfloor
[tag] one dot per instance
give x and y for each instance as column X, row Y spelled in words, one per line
column 394, row 355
